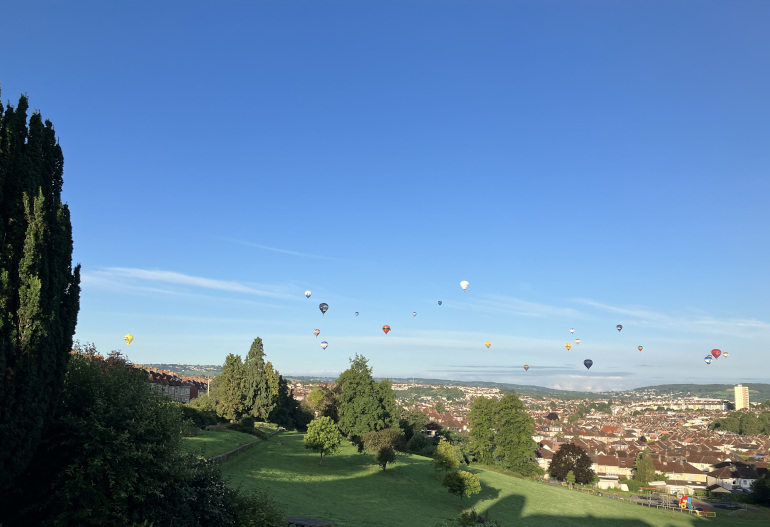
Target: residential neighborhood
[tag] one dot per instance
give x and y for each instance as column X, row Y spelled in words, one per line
column 673, row 430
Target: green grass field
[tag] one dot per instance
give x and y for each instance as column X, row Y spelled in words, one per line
column 213, row 443
column 350, row 490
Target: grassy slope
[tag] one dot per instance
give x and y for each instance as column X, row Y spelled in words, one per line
column 214, row 443
column 351, row 490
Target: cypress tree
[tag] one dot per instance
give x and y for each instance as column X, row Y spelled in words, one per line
column 39, row 289
column 260, row 381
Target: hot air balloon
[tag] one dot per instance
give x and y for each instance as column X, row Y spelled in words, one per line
column 588, row 363
column 356, row 313
column 487, row 344
column 323, row 307
column 128, row 339
column 568, row 346
column 707, row 359
column 618, row 327
column 324, row 344
column 716, row 353
column 464, row 284
column 307, row 294
column 386, row 329
column 577, row 341
column 641, row 348
column 572, row 330
column 439, row 302
column 316, row 332
column 414, row 313
column 725, row 354
column 526, row 367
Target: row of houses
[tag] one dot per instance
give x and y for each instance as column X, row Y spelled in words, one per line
column 685, row 471
column 177, row 388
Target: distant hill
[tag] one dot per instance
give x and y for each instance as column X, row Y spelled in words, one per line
column 758, row 392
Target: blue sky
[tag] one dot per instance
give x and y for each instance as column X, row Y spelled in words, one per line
column 581, row 163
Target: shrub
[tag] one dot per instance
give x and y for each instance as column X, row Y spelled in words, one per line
column 421, row 445
column 392, row 437
column 385, row 455
column 256, row 508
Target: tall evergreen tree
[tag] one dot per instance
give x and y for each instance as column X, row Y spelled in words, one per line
column 39, row 289
column 260, row 382
column 365, row 405
column 229, row 389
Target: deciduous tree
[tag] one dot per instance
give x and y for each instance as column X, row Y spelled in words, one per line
column 462, row 482
column 39, row 289
column 571, row 457
column 482, row 424
column 386, row 454
column 644, row 469
column 514, row 447
column 445, row 457
column 323, row 436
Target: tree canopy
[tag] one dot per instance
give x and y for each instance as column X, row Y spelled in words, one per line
column 644, row 469
column 365, row 405
column 461, row 482
column 39, row 289
column 260, row 382
column 572, row 458
column 323, row 436
column 110, row 432
column 501, row 432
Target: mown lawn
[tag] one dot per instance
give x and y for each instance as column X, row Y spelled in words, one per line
column 350, row 490
column 213, row 443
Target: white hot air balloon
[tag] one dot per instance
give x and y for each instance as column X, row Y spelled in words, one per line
column 308, row 293
column 464, row 284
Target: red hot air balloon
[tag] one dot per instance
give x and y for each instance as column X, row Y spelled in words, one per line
column 316, row 332
column 716, row 353
column 386, row 329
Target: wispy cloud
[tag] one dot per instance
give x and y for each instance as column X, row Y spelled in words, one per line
column 698, row 324
column 149, row 279
column 514, row 306
column 282, row 251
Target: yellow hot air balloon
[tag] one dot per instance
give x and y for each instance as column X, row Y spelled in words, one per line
column 464, row 284
column 128, row 339
column 487, row 344
column 568, row 346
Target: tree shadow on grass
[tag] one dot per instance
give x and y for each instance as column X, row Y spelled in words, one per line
column 352, row 491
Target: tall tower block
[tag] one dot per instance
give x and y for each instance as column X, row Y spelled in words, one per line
column 741, row 397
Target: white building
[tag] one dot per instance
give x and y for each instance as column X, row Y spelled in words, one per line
column 741, row 397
